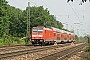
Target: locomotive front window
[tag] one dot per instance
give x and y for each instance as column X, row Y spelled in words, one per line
column 37, row 29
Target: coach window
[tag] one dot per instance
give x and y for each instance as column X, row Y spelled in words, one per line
column 58, row 38
column 54, row 34
column 65, row 38
column 61, row 35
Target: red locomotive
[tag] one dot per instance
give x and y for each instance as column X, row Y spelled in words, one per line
column 48, row 35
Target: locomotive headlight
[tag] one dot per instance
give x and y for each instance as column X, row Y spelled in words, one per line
column 40, row 37
column 41, row 40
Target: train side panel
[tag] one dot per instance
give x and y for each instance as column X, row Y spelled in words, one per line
column 48, row 36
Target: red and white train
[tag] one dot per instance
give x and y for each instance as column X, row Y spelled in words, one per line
column 48, row 35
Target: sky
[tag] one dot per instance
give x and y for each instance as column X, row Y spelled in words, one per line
column 73, row 16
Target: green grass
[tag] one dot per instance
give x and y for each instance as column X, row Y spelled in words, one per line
column 1, row 42
column 9, row 40
column 87, row 48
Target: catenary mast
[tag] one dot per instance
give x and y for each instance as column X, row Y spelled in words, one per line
column 28, row 23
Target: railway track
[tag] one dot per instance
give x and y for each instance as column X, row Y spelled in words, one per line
column 1, row 47
column 64, row 54
column 8, row 49
column 33, row 50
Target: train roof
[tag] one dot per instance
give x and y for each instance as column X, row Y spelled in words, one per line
column 72, row 33
column 56, row 29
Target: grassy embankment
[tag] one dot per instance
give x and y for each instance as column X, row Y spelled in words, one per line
column 9, row 40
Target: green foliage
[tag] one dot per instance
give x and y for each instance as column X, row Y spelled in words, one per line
column 3, row 17
column 1, row 42
column 9, row 40
column 76, row 37
column 13, row 22
column 88, row 40
column 88, row 48
column 41, row 17
column 65, row 29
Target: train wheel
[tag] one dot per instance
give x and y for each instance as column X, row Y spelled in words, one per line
column 43, row 44
column 62, row 42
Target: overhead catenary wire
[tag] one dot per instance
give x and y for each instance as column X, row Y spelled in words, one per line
column 53, row 11
column 77, row 15
column 59, row 15
column 74, row 12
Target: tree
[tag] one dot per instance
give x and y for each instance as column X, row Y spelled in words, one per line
column 4, row 18
column 76, row 37
column 41, row 17
column 13, row 21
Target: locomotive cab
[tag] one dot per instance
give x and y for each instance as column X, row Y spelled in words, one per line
column 37, row 35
